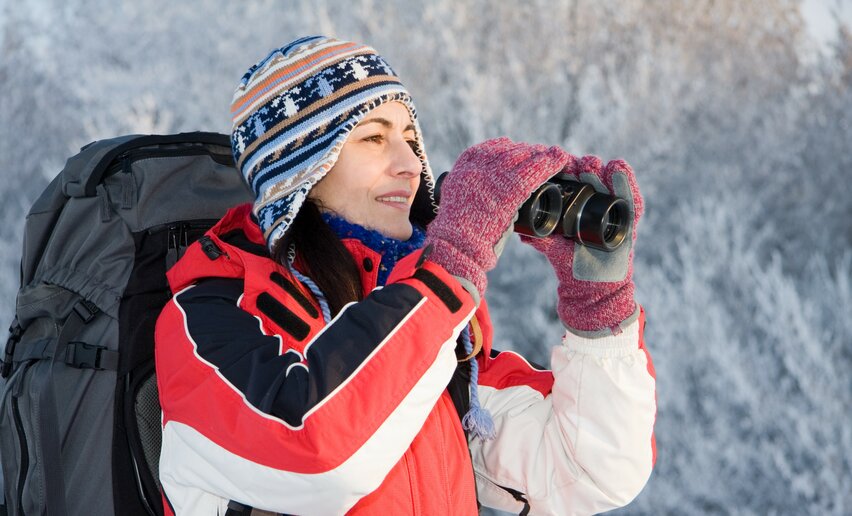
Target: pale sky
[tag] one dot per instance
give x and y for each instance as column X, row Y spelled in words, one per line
column 818, row 14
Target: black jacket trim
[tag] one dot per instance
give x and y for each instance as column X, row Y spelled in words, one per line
column 441, row 289
column 283, row 316
column 295, row 293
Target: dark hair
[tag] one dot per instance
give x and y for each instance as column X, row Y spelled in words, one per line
column 329, row 263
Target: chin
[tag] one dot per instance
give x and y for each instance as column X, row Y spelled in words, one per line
column 401, row 232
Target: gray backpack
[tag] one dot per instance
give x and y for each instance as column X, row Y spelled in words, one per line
column 80, row 417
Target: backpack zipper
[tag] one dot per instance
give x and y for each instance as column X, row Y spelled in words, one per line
column 136, row 155
column 204, row 224
column 123, row 162
column 178, row 237
column 25, row 452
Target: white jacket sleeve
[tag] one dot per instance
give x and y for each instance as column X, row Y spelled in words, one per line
column 582, row 448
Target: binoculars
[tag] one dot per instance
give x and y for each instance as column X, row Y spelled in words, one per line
column 574, row 209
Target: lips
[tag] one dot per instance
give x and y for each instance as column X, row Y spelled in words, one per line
column 397, row 198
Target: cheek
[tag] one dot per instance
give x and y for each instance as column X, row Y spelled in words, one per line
column 348, row 195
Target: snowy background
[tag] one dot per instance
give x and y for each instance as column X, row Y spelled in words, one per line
column 737, row 117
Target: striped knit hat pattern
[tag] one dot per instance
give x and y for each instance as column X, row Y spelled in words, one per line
column 292, row 113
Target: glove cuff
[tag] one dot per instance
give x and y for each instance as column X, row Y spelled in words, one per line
column 597, row 313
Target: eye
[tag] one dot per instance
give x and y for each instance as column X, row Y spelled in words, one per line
column 376, row 138
column 412, row 144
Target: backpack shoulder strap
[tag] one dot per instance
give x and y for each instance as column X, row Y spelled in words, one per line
column 459, row 388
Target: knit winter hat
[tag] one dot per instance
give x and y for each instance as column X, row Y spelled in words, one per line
column 293, row 111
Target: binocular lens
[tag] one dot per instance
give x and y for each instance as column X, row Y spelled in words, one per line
column 612, row 224
column 539, row 215
column 603, row 222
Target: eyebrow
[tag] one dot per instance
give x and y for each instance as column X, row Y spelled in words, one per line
column 385, row 122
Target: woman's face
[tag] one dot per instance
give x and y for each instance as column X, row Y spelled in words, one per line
column 376, row 176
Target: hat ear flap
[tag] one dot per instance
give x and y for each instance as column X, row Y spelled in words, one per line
column 423, row 209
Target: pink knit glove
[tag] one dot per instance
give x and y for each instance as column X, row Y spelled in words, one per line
column 479, row 202
column 596, row 287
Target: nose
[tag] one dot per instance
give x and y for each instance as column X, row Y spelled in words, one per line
column 405, row 162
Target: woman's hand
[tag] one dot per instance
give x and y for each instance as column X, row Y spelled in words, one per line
column 479, row 203
column 596, row 287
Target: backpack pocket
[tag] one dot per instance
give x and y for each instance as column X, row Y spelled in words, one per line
column 23, row 461
column 56, row 420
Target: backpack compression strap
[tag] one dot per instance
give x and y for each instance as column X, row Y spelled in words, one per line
column 74, row 354
column 50, row 446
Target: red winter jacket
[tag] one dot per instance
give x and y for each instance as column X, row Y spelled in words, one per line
column 266, row 405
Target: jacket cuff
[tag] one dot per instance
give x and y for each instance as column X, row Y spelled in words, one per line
column 608, row 344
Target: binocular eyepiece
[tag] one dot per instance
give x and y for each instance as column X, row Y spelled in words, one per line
column 575, row 209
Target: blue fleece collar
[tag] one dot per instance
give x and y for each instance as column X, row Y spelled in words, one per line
column 391, row 249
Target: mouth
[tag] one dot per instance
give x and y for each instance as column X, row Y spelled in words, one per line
column 398, row 200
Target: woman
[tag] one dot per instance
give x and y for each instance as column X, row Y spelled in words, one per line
column 322, row 348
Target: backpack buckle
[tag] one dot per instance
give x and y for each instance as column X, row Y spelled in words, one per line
column 89, row 356
column 86, row 310
column 15, row 332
